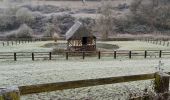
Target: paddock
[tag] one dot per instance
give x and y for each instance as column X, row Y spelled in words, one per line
column 28, row 72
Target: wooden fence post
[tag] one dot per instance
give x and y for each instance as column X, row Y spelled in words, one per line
column 161, row 82
column 145, row 54
column 12, row 42
column 167, row 44
column 49, row 55
column 32, row 56
column 66, row 55
column 130, row 54
column 99, row 55
column 11, row 93
column 115, row 55
column 160, row 42
column 160, row 53
column 83, row 55
column 7, row 43
column 156, row 42
column 164, row 43
column 15, row 56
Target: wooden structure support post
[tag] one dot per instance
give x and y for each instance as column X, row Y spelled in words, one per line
column 11, row 93
column 161, row 82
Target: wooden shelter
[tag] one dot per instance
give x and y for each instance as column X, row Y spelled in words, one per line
column 79, row 38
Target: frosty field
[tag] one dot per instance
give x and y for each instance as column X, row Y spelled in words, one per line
column 27, row 72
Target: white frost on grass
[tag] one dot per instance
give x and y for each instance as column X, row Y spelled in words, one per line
column 26, row 47
column 26, row 72
column 124, row 45
column 29, row 72
column 137, row 45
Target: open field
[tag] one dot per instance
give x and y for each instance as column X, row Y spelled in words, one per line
column 39, row 46
column 29, row 72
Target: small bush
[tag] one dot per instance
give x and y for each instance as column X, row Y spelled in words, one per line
column 23, row 32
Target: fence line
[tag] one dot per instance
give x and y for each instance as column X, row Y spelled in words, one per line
column 156, row 41
column 99, row 54
column 17, row 42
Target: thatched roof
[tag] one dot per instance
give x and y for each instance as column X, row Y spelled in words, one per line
column 78, row 31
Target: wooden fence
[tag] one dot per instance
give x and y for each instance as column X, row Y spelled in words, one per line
column 161, row 85
column 17, row 42
column 113, row 54
column 157, row 41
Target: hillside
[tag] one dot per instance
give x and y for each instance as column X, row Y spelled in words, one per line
column 45, row 17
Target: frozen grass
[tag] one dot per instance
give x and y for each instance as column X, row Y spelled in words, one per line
column 26, row 47
column 29, row 72
column 137, row 45
column 124, row 45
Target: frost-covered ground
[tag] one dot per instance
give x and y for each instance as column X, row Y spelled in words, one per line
column 26, row 47
column 39, row 46
column 137, row 45
column 27, row 72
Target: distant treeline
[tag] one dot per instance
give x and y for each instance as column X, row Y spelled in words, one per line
column 70, row 0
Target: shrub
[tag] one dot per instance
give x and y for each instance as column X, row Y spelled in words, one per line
column 23, row 32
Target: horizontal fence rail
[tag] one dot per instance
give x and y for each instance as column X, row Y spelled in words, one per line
column 98, row 54
column 161, row 85
column 81, row 83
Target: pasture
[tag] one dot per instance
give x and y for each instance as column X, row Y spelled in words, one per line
column 27, row 72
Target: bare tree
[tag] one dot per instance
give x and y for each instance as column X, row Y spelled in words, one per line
column 105, row 21
column 24, row 16
column 55, row 37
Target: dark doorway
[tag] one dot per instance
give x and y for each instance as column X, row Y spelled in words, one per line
column 84, row 41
